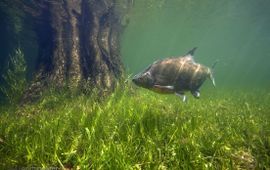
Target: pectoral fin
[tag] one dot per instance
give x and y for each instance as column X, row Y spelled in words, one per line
column 163, row 89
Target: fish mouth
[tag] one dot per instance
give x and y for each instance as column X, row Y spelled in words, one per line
column 135, row 81
column 135, row 78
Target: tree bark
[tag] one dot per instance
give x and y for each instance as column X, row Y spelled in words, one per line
column 78, row 43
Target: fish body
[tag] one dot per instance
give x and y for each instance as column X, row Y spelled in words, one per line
column 175, row 75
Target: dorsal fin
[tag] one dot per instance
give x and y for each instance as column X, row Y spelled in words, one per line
column 189, row 55
column 191, row 52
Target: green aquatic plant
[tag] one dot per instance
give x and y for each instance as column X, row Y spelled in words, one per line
column 15, row 77
column 138, row 129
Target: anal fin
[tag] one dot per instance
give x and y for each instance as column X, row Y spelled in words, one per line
column 182, row 95
column 196, row 94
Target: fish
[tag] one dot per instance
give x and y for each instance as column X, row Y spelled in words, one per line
column 175, row 75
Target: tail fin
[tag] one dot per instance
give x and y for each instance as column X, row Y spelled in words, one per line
column 212, row 74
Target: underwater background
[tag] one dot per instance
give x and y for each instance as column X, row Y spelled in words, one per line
column 236, row 33
column 134, row 128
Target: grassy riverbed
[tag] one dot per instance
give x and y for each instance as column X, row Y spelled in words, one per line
column 138, row 129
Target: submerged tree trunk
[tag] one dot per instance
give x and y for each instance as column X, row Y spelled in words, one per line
column 78, row 42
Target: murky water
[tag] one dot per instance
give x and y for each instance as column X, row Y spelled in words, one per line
column 235, row 32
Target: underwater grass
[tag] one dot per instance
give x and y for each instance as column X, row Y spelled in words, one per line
column 138, row 129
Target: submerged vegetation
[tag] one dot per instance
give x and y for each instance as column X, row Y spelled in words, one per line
column 80, row 45
column 138, row 129
column 14, row 78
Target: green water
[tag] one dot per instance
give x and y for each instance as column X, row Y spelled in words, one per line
column 134, row 128
column 235, row 32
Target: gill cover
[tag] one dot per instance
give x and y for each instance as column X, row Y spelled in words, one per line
column 144, row 80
